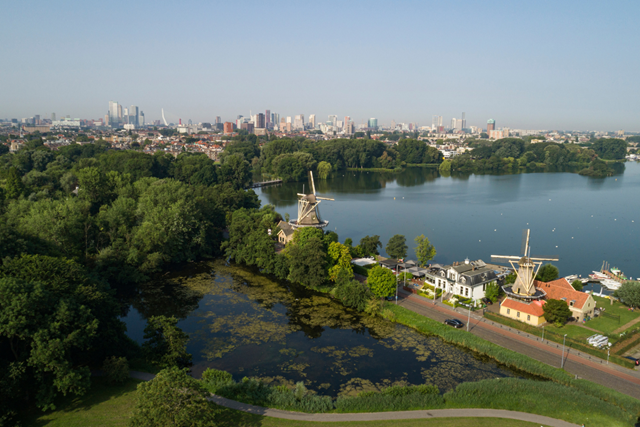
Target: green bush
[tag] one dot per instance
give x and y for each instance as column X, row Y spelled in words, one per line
column 538, row 397
column 116, row 370
column 379, row 402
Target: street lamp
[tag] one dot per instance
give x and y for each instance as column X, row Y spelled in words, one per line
column 542, row 333
column 608, row 350
column 562, row 355
column 468, row 317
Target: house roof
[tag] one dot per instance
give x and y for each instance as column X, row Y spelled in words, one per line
column 286, row 228
column 534, row 308
column 561, row 288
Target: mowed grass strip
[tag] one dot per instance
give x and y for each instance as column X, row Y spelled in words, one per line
column 112, row 406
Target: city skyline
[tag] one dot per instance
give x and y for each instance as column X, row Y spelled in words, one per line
column 535, row 66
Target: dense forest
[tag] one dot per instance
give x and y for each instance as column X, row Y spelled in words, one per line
column 81, row 226
column 290, row 159
column 513, row 154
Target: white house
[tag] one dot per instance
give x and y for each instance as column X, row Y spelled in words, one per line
column 468, row 279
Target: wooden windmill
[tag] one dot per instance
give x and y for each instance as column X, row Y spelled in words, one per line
column 308, row 212
column 527, row 268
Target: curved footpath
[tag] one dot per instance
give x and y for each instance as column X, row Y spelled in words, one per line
column 376, row 416
column 399, row 415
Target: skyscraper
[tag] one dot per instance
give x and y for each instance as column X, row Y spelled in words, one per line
column 454, row 123
column 113, row 113
column 260, row 121
column 345, row 122
column 373, row 123
column 218, row 120
column 491, row 125
column 312, row 120
column 141, row 118
column 333, row 119
column 133, row 116
column 53, row 117
column 464, row 121
column 267, row 118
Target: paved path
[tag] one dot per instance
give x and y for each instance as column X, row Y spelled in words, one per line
column 591, row 368
column 398, row 415
column 626, row 326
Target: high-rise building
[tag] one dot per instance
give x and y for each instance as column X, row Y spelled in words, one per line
column 260, row 121
column 491, row 125
column 345, row 122
column 283, row 124
column 454, row 123
column 373, row 123
column 141, row 119
column 218, row 120
column 134, row 116
column 113, row 113
column 298, row 122
column 119, row 113
column 464, row 121
column 393, row 125
column 312, row 121
column 228, row 128
column 334, row 120
column 53, row 117
column 248, row 126
column 36, row 119
column 267, row 118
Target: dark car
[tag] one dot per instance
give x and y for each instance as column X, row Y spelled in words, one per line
column 487, row 301
column 454, row 322
column 635, row 361
column 391, row 298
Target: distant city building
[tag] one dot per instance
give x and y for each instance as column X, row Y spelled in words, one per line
column 53, row 116
column 464, row 121
column 345, row 122
column 267, row 118
column 298, row 122
column 228, row 128
column 373, row 123
column 260, row 121
column 218, row 120
column 248, row 126
column 334, row 120
column 312, row 121
column 134, row 116
column 491, row 125
column 66, row 122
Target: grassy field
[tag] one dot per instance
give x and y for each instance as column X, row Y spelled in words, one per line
column 607, row 324
column 111, row 406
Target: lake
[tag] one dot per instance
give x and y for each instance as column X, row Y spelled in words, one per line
column 250, row 325
column 583, row 220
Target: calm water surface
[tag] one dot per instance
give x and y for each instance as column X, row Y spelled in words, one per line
column 583, row 220
column 249, row 325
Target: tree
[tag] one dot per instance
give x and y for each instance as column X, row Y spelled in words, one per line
column 445, row 168
column 548, row 273
column 307, row 261
column 237, row 171
column 556, row 311
column 14, row 186
column 382, row 281
column 370, row 245
column 397, row 246
column 324, row 168
column 492, row 292
column 339, row 261
column 425, row 251
column 42, row 333
column 510, row 279
column 173, row 399
column 629, row 294
column 577, row 285
column 166, row 344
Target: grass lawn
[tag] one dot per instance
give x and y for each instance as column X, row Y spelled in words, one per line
column 606, row 324
column 573, row 331
column 103, row 405
column 106, row 405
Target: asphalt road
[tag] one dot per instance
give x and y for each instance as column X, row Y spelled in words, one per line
column 621, row 379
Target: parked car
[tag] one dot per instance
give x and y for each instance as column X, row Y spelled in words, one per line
column 487, row 301
column 636, row 361
column 454, row 322
column 391, row 298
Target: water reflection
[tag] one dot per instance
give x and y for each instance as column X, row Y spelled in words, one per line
column 250, row 325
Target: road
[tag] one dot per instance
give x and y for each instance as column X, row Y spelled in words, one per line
column 584, row 366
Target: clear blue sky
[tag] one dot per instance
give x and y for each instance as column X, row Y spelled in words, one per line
column 526, row 64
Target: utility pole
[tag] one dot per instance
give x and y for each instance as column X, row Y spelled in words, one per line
column 469, row 318
column 543, row 333
column 562, row 358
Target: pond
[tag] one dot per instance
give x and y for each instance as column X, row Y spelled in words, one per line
column 250, row 325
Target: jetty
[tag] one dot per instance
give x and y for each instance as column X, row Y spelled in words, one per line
column 265, row 183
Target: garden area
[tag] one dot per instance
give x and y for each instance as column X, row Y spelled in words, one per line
column 614, row 317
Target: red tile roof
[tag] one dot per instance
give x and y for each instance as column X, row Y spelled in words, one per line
column 561, row 288
column 534, row 307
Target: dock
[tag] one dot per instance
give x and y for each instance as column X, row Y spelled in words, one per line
column 265, row 183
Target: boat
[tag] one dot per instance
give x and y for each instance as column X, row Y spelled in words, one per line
column 610, row 284
column 598, row 275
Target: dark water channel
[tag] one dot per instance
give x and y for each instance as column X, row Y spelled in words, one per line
column 249, row 325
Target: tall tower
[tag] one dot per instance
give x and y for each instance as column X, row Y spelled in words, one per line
column 134, row 116
column 491, row 125
column 267, row 118
column 464, row 121
column 312, row 120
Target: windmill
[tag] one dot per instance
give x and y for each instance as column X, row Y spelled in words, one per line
column 526, row 270
column 308, row 213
